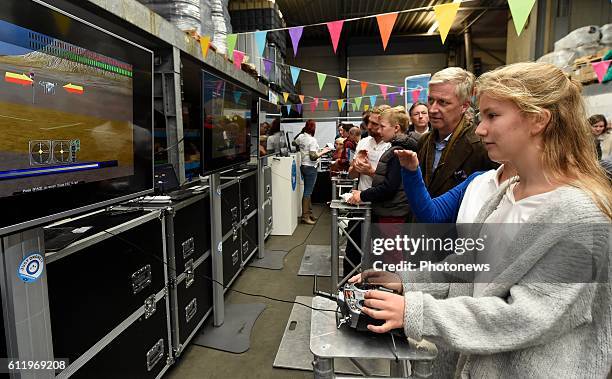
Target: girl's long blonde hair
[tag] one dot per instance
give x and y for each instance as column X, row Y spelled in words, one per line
column 568, row 152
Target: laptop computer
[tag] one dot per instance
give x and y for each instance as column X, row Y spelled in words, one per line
column 166, row 183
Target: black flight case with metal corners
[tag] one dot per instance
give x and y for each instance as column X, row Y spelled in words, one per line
column 108, row 297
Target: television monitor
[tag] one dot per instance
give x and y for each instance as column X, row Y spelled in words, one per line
column 227, row 111
column 75, row 116
column 272, row 140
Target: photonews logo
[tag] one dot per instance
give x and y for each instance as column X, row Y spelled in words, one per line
column 31, row 268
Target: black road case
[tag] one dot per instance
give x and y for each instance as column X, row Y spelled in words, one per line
column 107, row 292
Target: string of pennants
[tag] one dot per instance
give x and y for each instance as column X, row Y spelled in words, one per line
column 356, row 103
column 444, row 15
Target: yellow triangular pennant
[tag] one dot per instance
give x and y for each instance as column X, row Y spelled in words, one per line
column 285, row 96
column 445, row 15
column 204, row 44
column 342, row 84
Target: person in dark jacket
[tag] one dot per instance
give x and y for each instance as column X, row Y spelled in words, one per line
column 451, row 151
column 387, row 196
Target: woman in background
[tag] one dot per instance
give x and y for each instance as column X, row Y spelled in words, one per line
column 310, row 153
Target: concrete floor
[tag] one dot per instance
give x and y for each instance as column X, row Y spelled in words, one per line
column 200, row 362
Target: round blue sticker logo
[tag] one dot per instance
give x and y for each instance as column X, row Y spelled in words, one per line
column 31, row 267
column 293, row 176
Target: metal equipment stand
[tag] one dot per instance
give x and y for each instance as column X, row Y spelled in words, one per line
column 230, row 331
column 342, row 211
column 268, row 259
column 327, row 342
column 338, row 184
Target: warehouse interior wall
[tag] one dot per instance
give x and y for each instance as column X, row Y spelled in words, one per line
column 522, row 48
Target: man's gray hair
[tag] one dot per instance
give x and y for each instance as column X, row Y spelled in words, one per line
column 463, row 80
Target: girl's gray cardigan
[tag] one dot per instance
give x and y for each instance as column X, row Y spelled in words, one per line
column 532, row 321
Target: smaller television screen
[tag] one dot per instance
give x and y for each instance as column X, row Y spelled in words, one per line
column 227, row 115
column 272, row 140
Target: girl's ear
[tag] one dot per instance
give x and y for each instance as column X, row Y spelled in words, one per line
column 540, row 122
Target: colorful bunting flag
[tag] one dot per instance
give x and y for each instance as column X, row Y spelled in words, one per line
column 340, row 104
column 600, row 68
column 321, row 78
column 366, row 107
column 354, row 107
column 312, row 106
column 301, row 98
column 383, row 91
column 402, row 91
column 295, row 34
column 342, row 84
column 364, row 86
column 445, row 15
column 358, row 102
column 237, row 96
column 316, row 101
column 335, row 28
column 285, row 96
column 326, row 105
column 204, row 45
column 267, row 66
column 288, row 107
column 299, row 108
column 385, row 26
column 238, row 57
column 372, row 100
column 231, row 43
column 520, row 10
column 392, row 98
column 295, row 73
column 260, row 40
column 415, row 95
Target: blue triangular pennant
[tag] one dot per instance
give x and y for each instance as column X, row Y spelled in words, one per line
column 295, row 73
column 237, row 96
column 260, row 39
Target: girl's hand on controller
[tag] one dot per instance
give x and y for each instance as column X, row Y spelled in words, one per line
column 384, row 306
column 386, row 279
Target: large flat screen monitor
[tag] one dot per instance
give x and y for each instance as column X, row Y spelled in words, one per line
column 75, row 116
column 272, row 140
column 227, row 111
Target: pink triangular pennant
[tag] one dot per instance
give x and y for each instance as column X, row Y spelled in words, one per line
column 335, row 28
column 313, row 106
column 316, row 101
column 600, row 69
column 385, row 26
column 415, row 95
column 383, row 90
column 238, row 57
column 364, row 86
